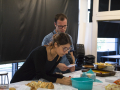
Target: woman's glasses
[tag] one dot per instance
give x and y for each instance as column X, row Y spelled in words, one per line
column 66, row 49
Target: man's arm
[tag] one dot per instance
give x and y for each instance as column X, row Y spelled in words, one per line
column 72, row 69
column 73, row 58
column 71, row 51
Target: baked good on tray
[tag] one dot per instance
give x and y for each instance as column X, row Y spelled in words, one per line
column 112, row 87
column 100, row 71
column 117, row 82
column 104, row 73
column 35, row 85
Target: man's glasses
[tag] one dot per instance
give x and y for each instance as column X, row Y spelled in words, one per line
column 60, row 26
column 66, row 49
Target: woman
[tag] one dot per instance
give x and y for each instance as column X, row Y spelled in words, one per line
column 42, row 61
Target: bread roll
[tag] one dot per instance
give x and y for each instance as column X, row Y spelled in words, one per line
column 112, row 87
column 35, row 85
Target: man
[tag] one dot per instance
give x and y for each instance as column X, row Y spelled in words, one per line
column 61, row 26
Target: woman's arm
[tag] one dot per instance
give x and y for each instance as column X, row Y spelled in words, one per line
column 40, row 58
column 61, row 79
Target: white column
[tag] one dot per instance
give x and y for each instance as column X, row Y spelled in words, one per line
column 95, row 29
column 88, row 36
column 82, row 20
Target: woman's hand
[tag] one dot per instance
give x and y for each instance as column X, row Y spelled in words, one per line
column 72, row 69
column 64, row 80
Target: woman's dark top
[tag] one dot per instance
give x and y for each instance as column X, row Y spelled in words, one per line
column 35, row 66
column 50, row 64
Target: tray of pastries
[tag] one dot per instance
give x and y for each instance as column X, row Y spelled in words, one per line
column 101, row 73
column 112, row 87
column 35, row 85
column 104, row 66
column 115, row 86
column 104, row 73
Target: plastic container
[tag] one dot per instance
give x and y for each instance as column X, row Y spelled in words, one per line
column 89, row 75
column 82, row 83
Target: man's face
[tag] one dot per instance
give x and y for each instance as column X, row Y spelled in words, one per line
column 61, row 26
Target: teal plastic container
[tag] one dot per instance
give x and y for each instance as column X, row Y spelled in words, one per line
column 82, row 83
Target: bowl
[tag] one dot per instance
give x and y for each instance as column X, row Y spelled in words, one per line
column 82, row 83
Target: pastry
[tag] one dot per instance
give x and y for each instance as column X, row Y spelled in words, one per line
column 12, row 88
column 35, row 85
column 89, row 74
column 117, row 82
column 112, row 87
column 50, row 86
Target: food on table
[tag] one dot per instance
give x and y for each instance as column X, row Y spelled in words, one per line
column 112, row 87
column 35, row 85
column 102, row 65
column 89, row 74
column 2, row 87
column 102, row 72
column 105, row 64
column 88, row 66
column 117, row 82
column 12, row 88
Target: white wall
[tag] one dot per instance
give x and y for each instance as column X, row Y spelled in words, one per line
column 82, row 20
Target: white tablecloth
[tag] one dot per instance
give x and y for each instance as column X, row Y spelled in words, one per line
column 96, row 85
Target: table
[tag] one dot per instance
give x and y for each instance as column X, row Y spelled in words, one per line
column 112, row 57
column 96, row 85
